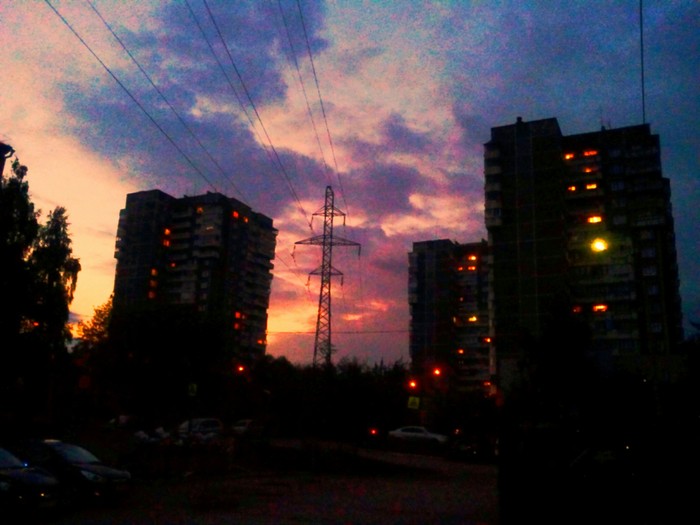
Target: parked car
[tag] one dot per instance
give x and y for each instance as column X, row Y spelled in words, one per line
column 200, row 429
column 83, row 476
column 242, row 427
column 250, row 428
column 25, row 488
column 415, row 434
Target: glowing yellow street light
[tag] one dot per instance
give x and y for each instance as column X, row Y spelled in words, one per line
column 599, row 245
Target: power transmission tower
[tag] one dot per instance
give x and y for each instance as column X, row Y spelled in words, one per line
column 322, row 343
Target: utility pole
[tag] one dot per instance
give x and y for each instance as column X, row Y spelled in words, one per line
column 322, row 343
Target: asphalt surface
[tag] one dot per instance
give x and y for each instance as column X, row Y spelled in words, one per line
column 291, row 484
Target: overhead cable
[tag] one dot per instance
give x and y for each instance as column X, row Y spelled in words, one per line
column 163, row 97
column 257, row 114
column 323, row 109
column 303, row 88
column 131, row 96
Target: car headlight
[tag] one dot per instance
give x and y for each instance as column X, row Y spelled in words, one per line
column 91, row 476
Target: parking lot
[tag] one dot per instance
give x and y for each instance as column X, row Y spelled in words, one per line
column 293, row 484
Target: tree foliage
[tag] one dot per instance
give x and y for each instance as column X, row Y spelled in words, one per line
column 38, row 277
column 19, row 228
column 94, row 332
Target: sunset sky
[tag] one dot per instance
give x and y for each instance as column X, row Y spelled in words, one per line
column 408, row 93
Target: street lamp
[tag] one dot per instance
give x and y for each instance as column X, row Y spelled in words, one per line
column 6, row 151
column 599, row 245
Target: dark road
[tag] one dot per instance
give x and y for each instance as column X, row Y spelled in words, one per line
column 370, row 487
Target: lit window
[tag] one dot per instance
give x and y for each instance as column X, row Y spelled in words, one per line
column 237, row 315
column 166, row 242
column 460, row 351
column 472, row 319
column 166, row 231
column 571, row 188
column 593, row 219
column 588, row 170
column 600, row 307
column 576, row 309
column 487, row 339
column 236, row 326
column 437, row 371
column 200, row 210
column 590, row 153
column 568, row 156
column 173, row 265
column 235, row 214
column 472, row 257
column 471, row 268
column 460, row 268
column 153, row 283
column 151, row 294
column 591, row 186
column 154, row 272
column 245, row 219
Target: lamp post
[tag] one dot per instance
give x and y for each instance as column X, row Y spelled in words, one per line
column 6, row 151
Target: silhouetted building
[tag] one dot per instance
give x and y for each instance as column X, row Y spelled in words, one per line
column 209, row 254
column 582, row 225
column 448, row 300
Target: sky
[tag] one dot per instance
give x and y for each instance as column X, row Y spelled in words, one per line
column 387, row 102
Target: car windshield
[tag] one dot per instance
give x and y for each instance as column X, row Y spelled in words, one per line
column 74, row 453
column 8, row 460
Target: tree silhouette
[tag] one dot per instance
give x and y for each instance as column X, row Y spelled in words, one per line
column 37, row 282
column 18, row 231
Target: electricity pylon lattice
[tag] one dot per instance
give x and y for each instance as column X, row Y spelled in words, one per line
column 322, row 343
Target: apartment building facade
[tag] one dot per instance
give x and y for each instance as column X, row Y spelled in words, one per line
column 209, row 254
column 584, row 223
column 448, row 301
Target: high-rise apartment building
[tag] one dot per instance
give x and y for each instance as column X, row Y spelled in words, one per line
column 210, row 254
column 448, row 300
column 582, row 222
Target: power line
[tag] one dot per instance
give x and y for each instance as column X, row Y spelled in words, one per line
column 163, row 97
column 131, row 96
column 346, row 332
column 303, row 87
column 257, row 114
column 223, row 70
column 323, row 109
